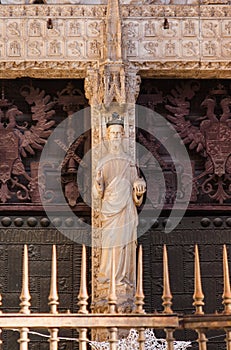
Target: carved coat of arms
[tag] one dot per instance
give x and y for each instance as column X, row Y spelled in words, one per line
column 21, row 139
column 209, row 135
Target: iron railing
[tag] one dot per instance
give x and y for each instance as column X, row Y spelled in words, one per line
column 84, row 321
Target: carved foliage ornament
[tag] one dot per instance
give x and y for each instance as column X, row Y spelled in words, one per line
column 18, row 140
column 115, row 83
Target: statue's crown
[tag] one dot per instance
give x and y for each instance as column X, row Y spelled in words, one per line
column 218, row 90
column 115, row 119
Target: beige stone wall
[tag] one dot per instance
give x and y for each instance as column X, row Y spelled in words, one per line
column 198, row 39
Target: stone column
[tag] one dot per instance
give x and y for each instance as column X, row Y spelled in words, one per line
column 113, row 86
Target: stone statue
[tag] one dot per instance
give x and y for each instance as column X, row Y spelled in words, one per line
column 121, row 189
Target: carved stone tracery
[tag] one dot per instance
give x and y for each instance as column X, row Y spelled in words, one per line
column 113, row 86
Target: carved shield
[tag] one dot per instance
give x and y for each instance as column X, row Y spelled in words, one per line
column 9, row 152
column 218, row 146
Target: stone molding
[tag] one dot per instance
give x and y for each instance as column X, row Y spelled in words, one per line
column 198, row 40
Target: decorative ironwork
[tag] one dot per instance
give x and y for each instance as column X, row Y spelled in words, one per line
column 139, row 337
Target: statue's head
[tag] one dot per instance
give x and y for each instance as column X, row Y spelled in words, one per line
column 115, row 131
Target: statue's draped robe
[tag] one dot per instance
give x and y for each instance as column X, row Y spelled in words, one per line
column 118, row 218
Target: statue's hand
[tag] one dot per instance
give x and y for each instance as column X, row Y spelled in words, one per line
column 99, row 182
column 139, row 187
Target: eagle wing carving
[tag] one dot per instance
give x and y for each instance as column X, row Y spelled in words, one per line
column 41, row 108
column 179, row 107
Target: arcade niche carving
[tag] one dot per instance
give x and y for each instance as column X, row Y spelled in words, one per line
column 70, row 168
column 72, row 100
column 200, row 112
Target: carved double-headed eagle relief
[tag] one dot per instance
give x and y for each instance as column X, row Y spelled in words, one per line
column 20, row 139
column 209, row 135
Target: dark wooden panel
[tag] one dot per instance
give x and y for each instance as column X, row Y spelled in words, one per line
column 40, row 247
column 180, row 244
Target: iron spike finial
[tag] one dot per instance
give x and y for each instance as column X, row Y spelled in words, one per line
column 167, row 295
column 139, row 288
column 53, row 296
column 112, row 298
column 83, row 295
column 25, row 293
column 198, row 295
column 226, row 291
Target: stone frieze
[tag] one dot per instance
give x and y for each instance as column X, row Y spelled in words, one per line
column 197, row 37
